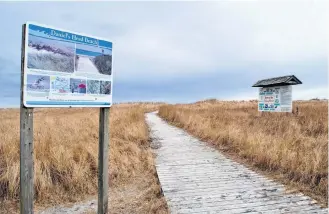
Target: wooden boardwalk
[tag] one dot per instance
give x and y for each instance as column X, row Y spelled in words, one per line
column 198, row 179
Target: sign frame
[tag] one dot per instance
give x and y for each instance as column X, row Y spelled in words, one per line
column 61, row 104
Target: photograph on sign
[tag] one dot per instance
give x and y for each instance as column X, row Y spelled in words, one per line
column 38, row 83
column 105, row 87
column 78, row 86
column 66, row 69
column 93, row 86
column 47, row 54
column 94, row 60
column 275, row 99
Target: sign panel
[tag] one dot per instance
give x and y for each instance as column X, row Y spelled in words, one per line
column 275, row 99
column 66, row 69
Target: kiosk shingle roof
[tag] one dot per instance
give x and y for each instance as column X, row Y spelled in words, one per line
column 277, row 81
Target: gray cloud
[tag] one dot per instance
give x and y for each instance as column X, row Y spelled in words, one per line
column 186, row 42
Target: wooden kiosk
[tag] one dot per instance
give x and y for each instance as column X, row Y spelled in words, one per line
column 275, row 94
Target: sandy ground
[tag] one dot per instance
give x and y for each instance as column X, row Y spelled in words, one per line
column 82, row 207
column 135, row 196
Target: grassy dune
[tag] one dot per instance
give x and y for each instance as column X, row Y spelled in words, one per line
column 65, row 154
column 294, row 148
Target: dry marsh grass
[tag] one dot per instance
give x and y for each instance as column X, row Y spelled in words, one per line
column 296, row 147
column 66, row 156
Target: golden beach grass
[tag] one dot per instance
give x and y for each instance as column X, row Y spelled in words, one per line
column 293, row 146
column 66, row 156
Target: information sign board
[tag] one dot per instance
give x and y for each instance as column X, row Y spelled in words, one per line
column 275, row 99
column 66, row 69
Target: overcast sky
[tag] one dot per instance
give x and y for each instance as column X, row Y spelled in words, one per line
column 185, row 51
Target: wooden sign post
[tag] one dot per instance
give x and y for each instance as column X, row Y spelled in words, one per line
column 26, row 147
column 103, row 163
column 46, row 84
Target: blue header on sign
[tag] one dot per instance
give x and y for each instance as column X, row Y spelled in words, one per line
column 62, row 35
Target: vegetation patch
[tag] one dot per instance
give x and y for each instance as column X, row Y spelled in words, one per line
column 294, row 146
column 66, row 158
